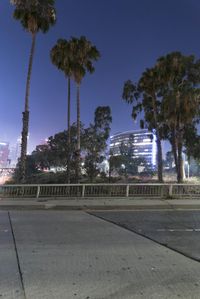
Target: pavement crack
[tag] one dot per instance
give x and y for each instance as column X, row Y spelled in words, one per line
column 17, row 257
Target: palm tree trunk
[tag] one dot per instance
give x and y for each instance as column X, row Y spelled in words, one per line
column 159, row 159
column 25, row 119
column 78, row 135
column 69, row 133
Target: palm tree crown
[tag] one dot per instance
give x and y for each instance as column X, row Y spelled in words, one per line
column 84, row 53
column 35, row 15
column 61, row 56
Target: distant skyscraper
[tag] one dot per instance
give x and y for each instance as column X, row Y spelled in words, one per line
column 15, row 153
column 142, row 143
column 4, row 153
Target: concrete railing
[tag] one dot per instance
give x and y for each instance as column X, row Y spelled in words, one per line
column 101, row 190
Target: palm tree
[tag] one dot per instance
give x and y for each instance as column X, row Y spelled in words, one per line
column 34, row 16
column 61, row 57
column 84, row 53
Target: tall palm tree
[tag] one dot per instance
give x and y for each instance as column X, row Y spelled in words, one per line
column 84, row 53
column 34, row 16
column 61, row 57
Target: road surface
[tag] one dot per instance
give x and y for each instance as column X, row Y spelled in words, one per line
column 72, row 254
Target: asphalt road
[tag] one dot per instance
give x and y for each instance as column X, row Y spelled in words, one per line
column 71, row 254
column 178, row 230
column 10, row 282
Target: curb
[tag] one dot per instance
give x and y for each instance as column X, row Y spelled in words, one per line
column 54, row 207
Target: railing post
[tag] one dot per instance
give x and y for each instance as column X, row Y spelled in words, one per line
column 38, row 191
column 22, row 191
column 127, row 190
column 83, row 190
column 170, row 190
column 161, row 191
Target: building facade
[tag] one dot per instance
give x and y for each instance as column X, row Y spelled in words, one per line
column 15, row 153
column 4, row 154
column 141, row 142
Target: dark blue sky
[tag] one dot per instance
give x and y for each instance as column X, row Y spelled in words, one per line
column 130, row 34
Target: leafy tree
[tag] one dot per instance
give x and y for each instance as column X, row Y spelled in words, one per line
column 95, row 140
column 180, row 76
column 168, row 94
column 31, row 169
column 193, row 169
column 34, row 16
column 61, row 56
column 60, row 150
column 145, row 96
column 150, row 87
column 192, row 143
column 169, row 159
column 94, row 151
column 55, row 153
column 42, row 156
column 103, row 119
column 115, row 164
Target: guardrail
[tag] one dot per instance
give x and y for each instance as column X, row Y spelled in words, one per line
column 100, row 190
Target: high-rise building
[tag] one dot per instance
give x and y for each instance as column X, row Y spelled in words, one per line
column 4, row 153
column 141, row 142
column 15, row 153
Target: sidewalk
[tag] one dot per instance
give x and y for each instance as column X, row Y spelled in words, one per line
column 98, row 204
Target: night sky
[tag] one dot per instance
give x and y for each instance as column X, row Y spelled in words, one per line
column 130, row 34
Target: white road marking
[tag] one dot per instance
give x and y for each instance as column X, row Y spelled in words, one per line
column 178, row 230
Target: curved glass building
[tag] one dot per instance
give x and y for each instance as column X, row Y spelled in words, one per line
column 141, row 142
